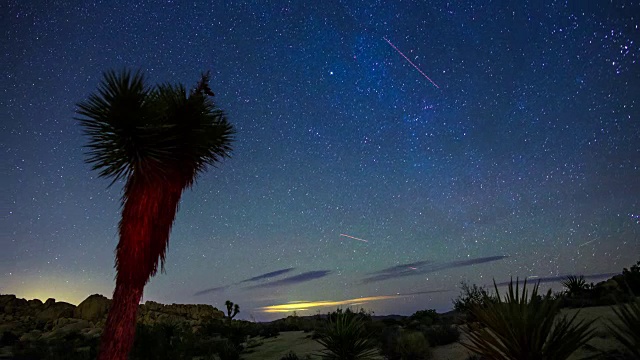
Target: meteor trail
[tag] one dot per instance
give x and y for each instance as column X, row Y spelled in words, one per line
column 410, row 62
column 588, row 242
column 354, row 238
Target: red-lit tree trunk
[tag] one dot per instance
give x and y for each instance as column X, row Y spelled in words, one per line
column 150, row 206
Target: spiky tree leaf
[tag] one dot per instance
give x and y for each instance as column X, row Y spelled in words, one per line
column 523, row 327
column 627, row 329
column 344, row 338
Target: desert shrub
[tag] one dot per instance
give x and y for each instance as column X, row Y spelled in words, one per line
column 269, row 331
column 627, row 329
column 388, row 340
column 523, row 327
column 412, row 345
column 632, row 278
column 8, row 339
column 362, row 314
column 344, row 338
column 72, row 346
column 471, row 296
column 226, row 350
column 160, row 341
column 375, row 327
column 444, row 334
column 290, row 356
column 425, row 317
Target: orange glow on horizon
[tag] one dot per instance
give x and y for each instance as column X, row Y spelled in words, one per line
column 306, row 305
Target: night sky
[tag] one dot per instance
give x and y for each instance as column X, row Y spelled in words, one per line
column 384, row 150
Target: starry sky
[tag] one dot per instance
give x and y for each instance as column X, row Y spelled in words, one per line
column 385, row 151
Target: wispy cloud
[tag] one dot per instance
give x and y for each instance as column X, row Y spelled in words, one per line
column 308, row 305
column 425, row 267
column 296, row 279
column 558, row 278
column 268, row 275
column 255, row 278
column 211, row 290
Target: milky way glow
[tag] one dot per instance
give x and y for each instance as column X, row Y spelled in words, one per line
column 517, row 169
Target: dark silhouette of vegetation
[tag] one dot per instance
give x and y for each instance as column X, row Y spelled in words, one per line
column 158, row 140
column 290, row 356
column 627, row 329
column 631, row 278
column 7, row 338
column 72, row 346
column 470, row 296
column 576, row 285
column 344, row 338
column 525, row 327
column 412, row 345
column 443, row 334
column 425, row 317
column 232, row 309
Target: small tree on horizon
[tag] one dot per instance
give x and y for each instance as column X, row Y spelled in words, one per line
column 232, row 309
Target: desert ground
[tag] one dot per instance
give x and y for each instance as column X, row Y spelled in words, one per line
column 306, row 348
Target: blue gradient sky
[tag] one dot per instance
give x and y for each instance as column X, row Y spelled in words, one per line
column 527, row 153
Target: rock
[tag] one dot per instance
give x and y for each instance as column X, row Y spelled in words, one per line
column 93, row 308
column 11, row 305
column 151, row 312
column 93, row 332
column 35, row 303
column 32, row 335
column 65, row 327
column 13, row 327
column 5, row 299
column 49, row 302
column 34, row 320
column 55, row 311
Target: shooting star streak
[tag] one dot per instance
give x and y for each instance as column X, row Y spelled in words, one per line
column 588, row 242
column 354, row 238
column 410, row 62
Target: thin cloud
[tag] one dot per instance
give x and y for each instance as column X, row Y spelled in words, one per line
column 401, row 268
column 255, row 278
column 211, row 290
column 558, row 278
column 296, row 279
column 425, row 267
column 268, row 275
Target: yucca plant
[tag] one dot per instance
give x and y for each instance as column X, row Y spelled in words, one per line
column 157, row 140
column 344, row 338
column 523, row 327
column 627, row 329
column 575, row 284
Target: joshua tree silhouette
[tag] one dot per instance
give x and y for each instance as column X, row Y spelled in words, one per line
column 232, row 309
column 157, row 140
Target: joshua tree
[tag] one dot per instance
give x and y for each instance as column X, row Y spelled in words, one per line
column 156, row 139
column 232, row 309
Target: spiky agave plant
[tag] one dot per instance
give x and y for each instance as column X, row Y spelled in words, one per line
column 525, row 328
column 627, row 329
column 156, row 139
column 574, row 284
column 345, row 338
